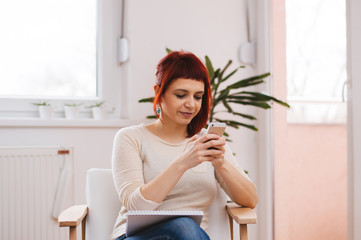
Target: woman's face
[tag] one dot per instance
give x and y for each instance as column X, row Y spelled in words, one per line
column 182, row 101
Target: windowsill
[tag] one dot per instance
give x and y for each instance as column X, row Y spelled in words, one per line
column 62, row 122
column 316, row 123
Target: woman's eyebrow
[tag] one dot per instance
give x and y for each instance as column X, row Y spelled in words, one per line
column 186, row 91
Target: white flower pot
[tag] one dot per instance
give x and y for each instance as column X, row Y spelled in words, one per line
column 71, row 112
column 98, row 112
column 46, row 112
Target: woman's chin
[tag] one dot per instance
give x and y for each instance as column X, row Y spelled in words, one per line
column 184, row 121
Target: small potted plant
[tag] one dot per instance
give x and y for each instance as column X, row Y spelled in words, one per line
column 46, row 111
column 72, row 110
column 98, row 110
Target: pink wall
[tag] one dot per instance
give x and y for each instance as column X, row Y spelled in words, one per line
column 311, row 183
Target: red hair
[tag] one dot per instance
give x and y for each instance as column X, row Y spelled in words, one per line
column 181, row 64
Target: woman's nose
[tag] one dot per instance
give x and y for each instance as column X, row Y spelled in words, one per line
column 190, row 103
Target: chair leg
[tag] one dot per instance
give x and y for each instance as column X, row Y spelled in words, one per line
column 72, row 233
column 83, row 224
column 243, row 231
column 231, row 226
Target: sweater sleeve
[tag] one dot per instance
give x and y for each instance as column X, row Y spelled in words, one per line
column 127, row 170
column 228, row 156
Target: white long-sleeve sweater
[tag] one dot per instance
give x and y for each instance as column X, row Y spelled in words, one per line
column 139, row 156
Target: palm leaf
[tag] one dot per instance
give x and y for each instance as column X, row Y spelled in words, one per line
column 224, row 69
column 226, row 105
column 249, row 81
column 222, row 95
column 252, row 127
column 256, row 104
column 230, row 110
column 143, row 100
column 250, row 117
column 229, row 75
column 215, row 75
column 209, row 67
column 236, row 124
column 266, row 98
column 168, row 50
column 250, row 98
column 245, row 83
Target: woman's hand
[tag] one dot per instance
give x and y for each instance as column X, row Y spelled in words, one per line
column 197, row 150
column 209, row 147
column 218, row 161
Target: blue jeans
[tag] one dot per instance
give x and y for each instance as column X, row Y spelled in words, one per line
column 181, row 228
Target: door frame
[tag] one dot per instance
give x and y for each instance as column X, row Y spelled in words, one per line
column 353, row 14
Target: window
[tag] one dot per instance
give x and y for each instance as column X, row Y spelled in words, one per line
column 48, row 48
column 59, row 51
column 316, row 60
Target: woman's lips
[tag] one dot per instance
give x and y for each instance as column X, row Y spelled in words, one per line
column 187, row 114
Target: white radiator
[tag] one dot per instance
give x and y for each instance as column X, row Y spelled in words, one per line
column 36, row 184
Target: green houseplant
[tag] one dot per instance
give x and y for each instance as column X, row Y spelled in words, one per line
column 71, row 110
column 46, row 110
column 233, row 95
column 98, row 110
column 42, row 103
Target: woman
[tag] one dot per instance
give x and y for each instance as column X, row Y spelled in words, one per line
column 171, row 164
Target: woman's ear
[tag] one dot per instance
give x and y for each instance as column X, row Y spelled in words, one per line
column 156, row 89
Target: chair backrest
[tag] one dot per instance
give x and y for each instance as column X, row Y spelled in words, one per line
column 104, row 206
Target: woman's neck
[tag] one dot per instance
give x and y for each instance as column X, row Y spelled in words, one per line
column 168, row 131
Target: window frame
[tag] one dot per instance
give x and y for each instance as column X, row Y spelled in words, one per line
column 330, row 111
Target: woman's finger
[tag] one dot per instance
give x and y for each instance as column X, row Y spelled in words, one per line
column 192, row 139
column 212, row 152
column 208, row 137
column 214, row 144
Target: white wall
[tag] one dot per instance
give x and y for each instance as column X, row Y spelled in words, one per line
column 211, row 27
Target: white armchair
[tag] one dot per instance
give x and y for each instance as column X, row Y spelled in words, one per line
column 98, row 216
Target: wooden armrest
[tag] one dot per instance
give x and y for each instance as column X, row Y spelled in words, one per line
column 72, row 216
column 242, row 215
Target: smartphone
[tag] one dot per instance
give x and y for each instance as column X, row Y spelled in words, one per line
column 216, row 128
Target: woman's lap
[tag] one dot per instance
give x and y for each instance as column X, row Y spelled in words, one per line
column 181, row 228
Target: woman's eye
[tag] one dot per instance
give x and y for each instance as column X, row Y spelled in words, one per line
column 198, row 97
column 180, row 96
